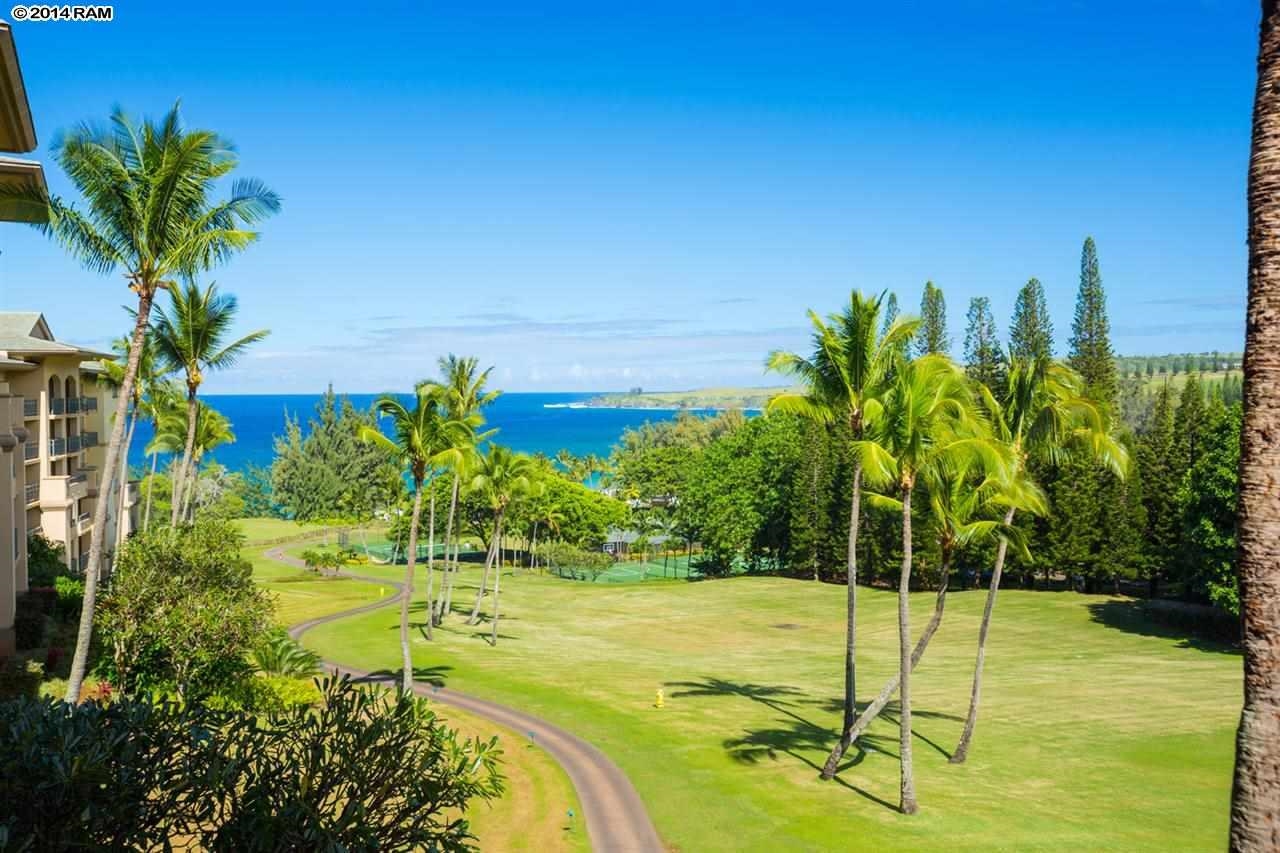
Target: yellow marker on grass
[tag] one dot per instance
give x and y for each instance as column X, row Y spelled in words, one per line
column 657, row 703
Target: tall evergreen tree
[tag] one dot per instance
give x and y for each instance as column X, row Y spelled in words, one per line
column 1031, row 333
column 983, row 357
column 1158, row 462
column 1091, row 354
column 890, row 312
column 933, row 322
column 1190, row 422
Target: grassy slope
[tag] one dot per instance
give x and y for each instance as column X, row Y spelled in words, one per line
column 699, row 398
column 1153, row 383
column 1092, row 736
column 534, row 813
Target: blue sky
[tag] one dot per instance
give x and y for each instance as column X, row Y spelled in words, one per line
column 596, row 197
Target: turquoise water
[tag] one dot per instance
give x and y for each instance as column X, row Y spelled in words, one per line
column 526, row 422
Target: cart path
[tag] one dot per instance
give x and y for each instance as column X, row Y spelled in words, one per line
column 615, row 816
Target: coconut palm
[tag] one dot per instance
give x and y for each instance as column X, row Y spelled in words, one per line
column 1043, row 415
column 928, row 423
column 162, row 399
column 213, row 429
column 149, row 213
column 1255, row 821
column 191, row 337
column 148, row 373
column 842, row 381
column 466, row 395
column 501, row 476
column 423, row 438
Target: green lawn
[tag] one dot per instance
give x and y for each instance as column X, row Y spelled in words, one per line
column 1098, row 731
column 260, row 530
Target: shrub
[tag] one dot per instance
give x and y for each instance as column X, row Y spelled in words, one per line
column 46, row 561
column 576, row 563
column 29, row 621
column 279, row 654
column 182, row 610
column 367, row 770
column 70, row 596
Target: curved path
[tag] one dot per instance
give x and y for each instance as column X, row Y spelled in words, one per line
column 616, row 818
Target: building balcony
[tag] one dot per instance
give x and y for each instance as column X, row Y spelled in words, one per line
column 73, row 405
column 88, row 439
column 33, row 493
column 84, row 523
column 31, row 450
column 88, row 404
column 57, row 406
column 82, row 563
column 60, row 491
column 73, row 444
column 31, row 408
column 57, row 447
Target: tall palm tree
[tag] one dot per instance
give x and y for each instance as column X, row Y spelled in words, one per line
column 1255, row 820
column 162, row 400
column 191, row 337
column 148, row 373
column 501, row 475
column 843, row 380
column 928, row 422
column 466, row 395
column 1043, row 415
column 213, row 429
column 422, row 437
column 149, row 213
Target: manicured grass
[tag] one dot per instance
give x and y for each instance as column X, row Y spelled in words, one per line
column 259, row 530
column 302, row 595
column 1098, row 731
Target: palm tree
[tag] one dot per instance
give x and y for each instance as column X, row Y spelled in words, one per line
column 928, row 423
column 465, row 398
column 423, row 439
column 1255, row 823
column 162, row 398
column 501, row 475
column 843, row 380
column 1043, row 415
column 191, row 338
column 148, row 213
column 113, row 375
column 213, row 429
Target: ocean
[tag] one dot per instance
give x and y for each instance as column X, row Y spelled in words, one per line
column 525, row 422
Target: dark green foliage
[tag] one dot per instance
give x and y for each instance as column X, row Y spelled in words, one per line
column 652, row 460
column 45, row 560
column 983, row 357
column 326, row 472
column 1189, row 422
column 1091, row 355
column 181, row 611
column 367, row 770
column 1031, row 332
column 1207, row 498
column 1159, row 465
column 20, row 677
column 933, row 337
column 254, row 490
column 583, row 516
column 31, row 616
column 570, row 561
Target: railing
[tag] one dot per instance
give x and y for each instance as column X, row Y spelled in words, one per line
column 33, row 492
column 57, row 446
column 88, row 439
column 73, row 405
column 77, row 477
column 57, row 406
column 73, row 444
column 31, row 450
column 89, row 404
column 30, row 408
column 83, row 563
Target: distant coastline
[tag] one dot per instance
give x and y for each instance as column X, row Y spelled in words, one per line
column 697, row 400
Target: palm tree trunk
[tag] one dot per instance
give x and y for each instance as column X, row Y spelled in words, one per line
column 1255, row 819
column 190, row 481
column 446, row 585
column 975, row 693
column 431, row 559
column 907, row 803
column 497, row 583
column 891, row 686
column 484, row 577
column 851, row 628
column 151, row 485
column 533, row 548
column 187, row 450
column 84, row 634
column 406, row 595
column 122, row 478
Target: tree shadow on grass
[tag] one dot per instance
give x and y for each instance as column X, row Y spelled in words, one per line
column 795, row 736
column 1193, row 626
column 433, row 675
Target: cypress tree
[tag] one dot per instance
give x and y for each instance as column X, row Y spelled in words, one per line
column 932, row 337
column 1091, row 354
column 1031, row 332
column 983, row 358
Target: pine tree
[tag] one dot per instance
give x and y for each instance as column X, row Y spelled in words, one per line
column 932, row 337
column 890, row 312
column 983, row 359
column 1158, row 463
column 1091, row 354
column 1189, row 422
column 1031, row 332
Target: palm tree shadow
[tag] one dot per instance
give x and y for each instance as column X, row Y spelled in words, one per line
column 433, row 675
column 890, row 713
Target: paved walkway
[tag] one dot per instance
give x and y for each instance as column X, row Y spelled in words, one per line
column 616, row 818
